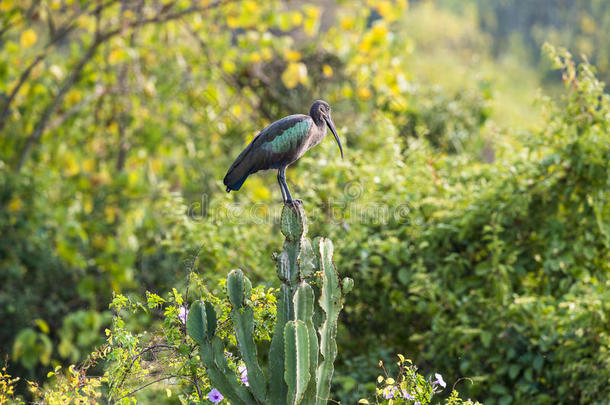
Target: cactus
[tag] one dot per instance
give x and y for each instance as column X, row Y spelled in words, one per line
column 303, row 347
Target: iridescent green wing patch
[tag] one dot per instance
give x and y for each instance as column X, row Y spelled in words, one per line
column 289, row 139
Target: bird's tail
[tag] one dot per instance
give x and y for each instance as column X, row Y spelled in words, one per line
column 236, row 176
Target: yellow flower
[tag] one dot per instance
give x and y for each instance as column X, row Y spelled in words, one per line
column 292, row 56
column 267, row 53
column 250, row 6
column 232, row 21
column 386, row 10
column 294, row 74
column 364, row 93
column 73, row 97
column 14, row 205
column 115, row 56
column 228, row 66
column 379, row 32
column 347, row 23
column 297, row 18
column 255, row 57
column 6, row 5
column 28, row 38
column 312, row 11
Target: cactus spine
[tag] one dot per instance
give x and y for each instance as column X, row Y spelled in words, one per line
column 303, row 347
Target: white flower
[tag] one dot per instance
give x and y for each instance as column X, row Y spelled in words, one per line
column 243, row 375
column 182, row 313
column 439, row 380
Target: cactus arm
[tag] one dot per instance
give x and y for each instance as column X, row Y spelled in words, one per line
column 244, row 328
column 196, row 323
column 296, row 374
column 277, row 386
column 212, row 357
column 238, row 290
column 235, row 288
column 346, row 285
column 330, row 303
column 303, row 308
column 201, row 326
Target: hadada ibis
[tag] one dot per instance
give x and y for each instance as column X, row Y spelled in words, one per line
column 281, row 144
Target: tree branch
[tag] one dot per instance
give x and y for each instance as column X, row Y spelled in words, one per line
column 167, row 377
column 59, row 35
column 41, row 125
column 99, row 92
column 139, row 355
column 26, row 74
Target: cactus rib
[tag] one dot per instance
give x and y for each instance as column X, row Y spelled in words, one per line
column 296, row 369
column 330, row 303
column 303, row 309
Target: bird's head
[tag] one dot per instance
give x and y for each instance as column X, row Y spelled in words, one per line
column 320, row 112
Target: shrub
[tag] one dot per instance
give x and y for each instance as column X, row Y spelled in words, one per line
column 500, row 272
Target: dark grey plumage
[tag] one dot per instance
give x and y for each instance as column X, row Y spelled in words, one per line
column 280, row 144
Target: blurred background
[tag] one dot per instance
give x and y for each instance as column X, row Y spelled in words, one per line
column 471, row 208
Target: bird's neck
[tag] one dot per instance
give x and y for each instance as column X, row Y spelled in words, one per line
column 318, row 134
column 318, row 120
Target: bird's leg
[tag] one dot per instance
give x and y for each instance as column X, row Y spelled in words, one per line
column 289, row 199
column 279, row 180
column 283, row 177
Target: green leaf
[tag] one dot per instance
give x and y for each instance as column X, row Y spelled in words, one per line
column 513, row 371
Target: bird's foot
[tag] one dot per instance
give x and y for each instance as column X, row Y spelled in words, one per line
column 293, row 203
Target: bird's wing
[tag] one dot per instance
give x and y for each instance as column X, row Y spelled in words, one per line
column 280, row 140
column 271, row 148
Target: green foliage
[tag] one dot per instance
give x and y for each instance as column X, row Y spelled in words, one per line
column 30, row 347
column 410, row 387
column 7, row 389
column 74, row 385
column 162, row 359
column 505, row 270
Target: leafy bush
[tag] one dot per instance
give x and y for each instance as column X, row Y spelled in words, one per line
column 409, row 387
column 163, row 358
column 7, row 388
column 501, row 272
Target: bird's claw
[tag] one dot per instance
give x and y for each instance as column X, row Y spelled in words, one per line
column 293, row 203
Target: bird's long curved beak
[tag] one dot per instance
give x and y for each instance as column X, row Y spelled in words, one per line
column 331, row 125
